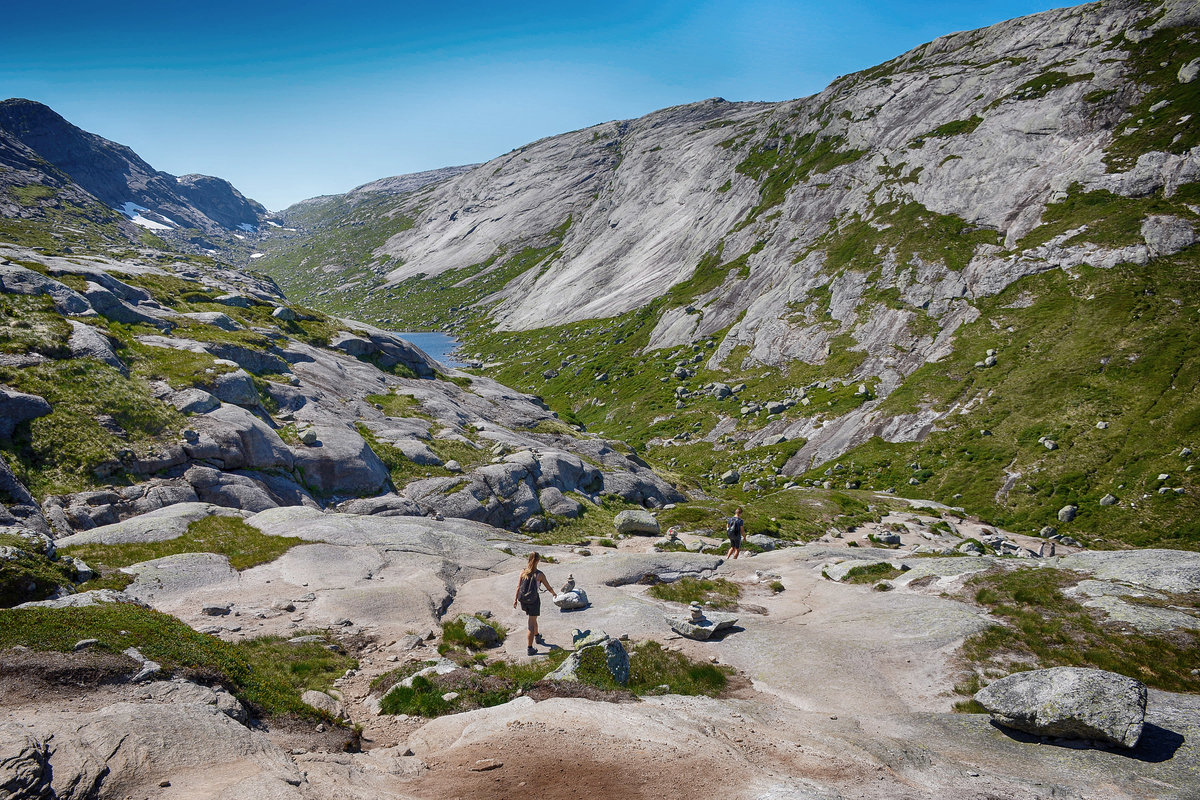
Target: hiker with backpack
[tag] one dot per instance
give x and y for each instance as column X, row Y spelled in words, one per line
column 529, row 599
column 734, row 529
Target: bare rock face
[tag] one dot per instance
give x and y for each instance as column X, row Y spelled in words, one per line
column 1070, row 702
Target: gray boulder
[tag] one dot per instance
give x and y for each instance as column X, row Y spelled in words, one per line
column 194, row 401
column 636, row 521
column 216, row 319
column 479, row 630
column 1067, row 513
column 556, row 503
column 116, row 309
column 324, row 702
column 1069, row 702
column 17, row 407
column 588, row 645
column 87, row 342
column 340, row 463
column 15, row 279
column 236, row 388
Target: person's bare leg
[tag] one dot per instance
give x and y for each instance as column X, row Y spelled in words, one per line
column 533, row 630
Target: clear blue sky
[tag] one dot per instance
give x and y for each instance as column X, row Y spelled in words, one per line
column 292, row 100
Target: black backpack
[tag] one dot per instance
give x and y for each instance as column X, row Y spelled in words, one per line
column 528, row 593
column 733, row 527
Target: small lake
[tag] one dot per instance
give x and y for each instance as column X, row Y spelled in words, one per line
column 441, row 346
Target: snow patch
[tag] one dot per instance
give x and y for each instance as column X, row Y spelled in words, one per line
column 257, row 255
column 239, row 236
column 248, row 228
column 274, row 224
column 138, row 219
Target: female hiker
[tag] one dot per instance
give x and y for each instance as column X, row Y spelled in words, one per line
column 531, row 602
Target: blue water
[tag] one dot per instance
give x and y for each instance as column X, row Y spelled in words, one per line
column 441, row 346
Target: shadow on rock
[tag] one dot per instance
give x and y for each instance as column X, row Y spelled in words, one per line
column 1156, row 745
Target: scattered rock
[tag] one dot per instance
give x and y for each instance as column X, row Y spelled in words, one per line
column 1108, row 500
column 1067, row 513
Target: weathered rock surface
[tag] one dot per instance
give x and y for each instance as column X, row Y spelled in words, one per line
column 1070, row 702
column 635, row 521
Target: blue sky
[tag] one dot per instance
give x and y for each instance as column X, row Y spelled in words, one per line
column 292, row 100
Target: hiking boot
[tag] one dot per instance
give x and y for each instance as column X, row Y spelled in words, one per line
column 539, row 639
column 531, row 651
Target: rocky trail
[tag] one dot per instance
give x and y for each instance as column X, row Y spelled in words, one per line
column 846, row 691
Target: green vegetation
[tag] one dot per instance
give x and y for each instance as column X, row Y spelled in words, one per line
column 652, row 671
column 1114, row 346
column 29, row 574
column 1045, row 628
column 1105, row 218
column 1043, row 84
column 716, row 593
column 913, row 230
column 1172, row 126
column 454, row 633
column 340, row 237
column 69, row 449
column 230, row 536
column 872, row 573
column 29, row 195
column 780, row 168
column 267, row 674
column 956, row 127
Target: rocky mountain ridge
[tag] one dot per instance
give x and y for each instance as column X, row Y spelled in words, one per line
column 192, row 206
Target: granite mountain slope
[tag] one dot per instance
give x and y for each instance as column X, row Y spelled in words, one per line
column 866, row 241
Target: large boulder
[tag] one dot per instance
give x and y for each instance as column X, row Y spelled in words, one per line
column 237, row 388
column 87, row 342
column 17, row 407
column 1071, row 702
column 637, row 521
column 340, row 462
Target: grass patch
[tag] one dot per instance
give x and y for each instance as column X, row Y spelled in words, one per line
column 454, row 634
column 872, row 573
column 229, row 536
column 64, row 451
column 653, row 670
column 268, row 675
column 715, row 593
column 1045, row 628
column 651, row 667
column 30, row 575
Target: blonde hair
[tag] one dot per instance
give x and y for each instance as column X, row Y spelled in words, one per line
column 531, row 567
